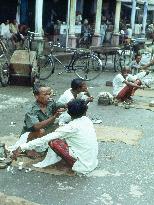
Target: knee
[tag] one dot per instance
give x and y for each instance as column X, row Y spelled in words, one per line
column 42, row 132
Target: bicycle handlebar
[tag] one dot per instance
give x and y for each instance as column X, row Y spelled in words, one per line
column 33, row 33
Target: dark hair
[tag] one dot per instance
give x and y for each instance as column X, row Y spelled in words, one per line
column 36, row 87
column 76, row 83
column 125, row 69
column 138, row 55
column 77, row 108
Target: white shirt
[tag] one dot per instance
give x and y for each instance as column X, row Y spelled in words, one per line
column 66, row 97
column 135, row 67
column 129, row 33
column 118, row 84
column 5, row 30
column 81, row 139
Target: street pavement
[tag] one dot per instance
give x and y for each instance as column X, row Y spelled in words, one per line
column 125, row 174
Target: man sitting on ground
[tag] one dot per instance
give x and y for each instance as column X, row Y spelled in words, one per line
column 78, row 90
column 40, row 119
column 122, row 88
column 74, row 142
column 139, row 70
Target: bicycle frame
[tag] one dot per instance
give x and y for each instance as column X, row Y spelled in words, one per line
column 68, row 67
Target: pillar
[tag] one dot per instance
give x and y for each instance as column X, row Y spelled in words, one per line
column 96, row 40
column 115, row 38
column 24, row 12
column 144, row 22
column 71, row 18
column 133, row 14
column 18, row 12
column 79, row 6
column 38, row 25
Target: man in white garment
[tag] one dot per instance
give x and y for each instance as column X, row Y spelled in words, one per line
column 75, row 142
column 78, row 90
column 5, row 30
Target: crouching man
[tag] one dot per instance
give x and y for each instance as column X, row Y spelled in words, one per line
column 123, row 89
column 74, row 142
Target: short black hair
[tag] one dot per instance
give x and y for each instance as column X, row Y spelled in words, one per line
column 36, row 87
column 77, row 108
column 138, row 54
column 125, row 69
column 76, row 83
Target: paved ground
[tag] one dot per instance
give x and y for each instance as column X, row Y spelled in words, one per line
column 125, row 174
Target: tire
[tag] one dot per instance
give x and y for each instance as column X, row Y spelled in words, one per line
column 46, row 67
column 103, row 58
column 3, row 47
column 117, row 65
column 4, row 74
column 126, row 58
column 87, row 67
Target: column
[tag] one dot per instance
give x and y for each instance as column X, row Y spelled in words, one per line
column 18, row 12
column 144, row 22
column 79, row 6
column 96, row 40
column 115, row 38
column 38, row 25
column 24, row 12
column 71, row 19
column 133, row 14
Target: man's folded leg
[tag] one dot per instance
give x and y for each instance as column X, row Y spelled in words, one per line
column 51, row 158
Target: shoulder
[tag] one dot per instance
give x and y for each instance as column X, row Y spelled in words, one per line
column 118, row 77
column 33, row 108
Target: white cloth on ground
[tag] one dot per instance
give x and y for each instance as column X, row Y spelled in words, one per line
column 80, row 136
column 23, row 139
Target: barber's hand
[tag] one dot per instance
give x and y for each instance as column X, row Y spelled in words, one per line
column 142, row 87
column 59, row 112
column 90, row 99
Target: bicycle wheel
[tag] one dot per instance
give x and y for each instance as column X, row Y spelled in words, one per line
column 87, row 67
column 4, row 74
column 117, row 58
column 126, row 58
column 45, row 67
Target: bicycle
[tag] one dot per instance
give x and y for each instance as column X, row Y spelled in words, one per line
column 85, row 64
column 4, row 64
column 85, row 41
column 127, row 53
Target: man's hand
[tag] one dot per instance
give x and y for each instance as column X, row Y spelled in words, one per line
column 16, row 153
column 142, row 87
column 90, row 99
column 59, row 112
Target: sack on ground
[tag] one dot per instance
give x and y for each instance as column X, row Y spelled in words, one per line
column 105, row 98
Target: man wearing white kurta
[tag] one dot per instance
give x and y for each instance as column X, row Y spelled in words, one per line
column 80, row 137
column 78, row 90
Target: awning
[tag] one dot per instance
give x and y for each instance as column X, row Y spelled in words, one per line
column 130, row 6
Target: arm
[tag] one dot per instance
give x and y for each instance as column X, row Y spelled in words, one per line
column 61, row 132
column 50, row 120
column 132, row 84
column 147, row 65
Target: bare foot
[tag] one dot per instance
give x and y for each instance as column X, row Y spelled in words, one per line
column 16, row 153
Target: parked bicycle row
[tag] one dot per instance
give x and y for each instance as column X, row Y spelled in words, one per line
column 87, row 64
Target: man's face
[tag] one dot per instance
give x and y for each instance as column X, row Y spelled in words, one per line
column 138, row 59
column 83, row 87
column 44, row 95
column 125, row 73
